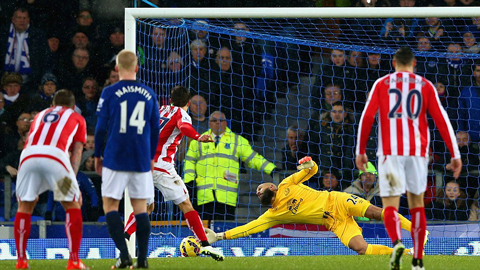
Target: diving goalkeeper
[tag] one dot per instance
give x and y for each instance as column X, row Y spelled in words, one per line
column 293, row 202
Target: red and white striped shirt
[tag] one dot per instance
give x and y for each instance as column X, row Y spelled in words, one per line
column 174, row 123
column 403, row 100
column 58, row 127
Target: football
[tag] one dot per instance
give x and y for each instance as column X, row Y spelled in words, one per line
column 190, row 247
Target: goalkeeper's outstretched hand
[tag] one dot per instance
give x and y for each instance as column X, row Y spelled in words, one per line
column 213, row 237
column 305, row 163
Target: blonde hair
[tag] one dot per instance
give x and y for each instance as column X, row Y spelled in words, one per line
column 126, row 60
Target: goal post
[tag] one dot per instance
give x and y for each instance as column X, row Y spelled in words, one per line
column 299, row 82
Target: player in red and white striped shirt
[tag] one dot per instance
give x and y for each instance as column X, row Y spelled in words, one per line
column 45, row 165
column 174, row 124
column 402, row 100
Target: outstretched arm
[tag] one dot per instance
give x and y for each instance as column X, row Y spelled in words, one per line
column 307, row 167
column 259, row 225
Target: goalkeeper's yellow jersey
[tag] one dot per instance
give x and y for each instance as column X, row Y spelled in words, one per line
column 294, row 203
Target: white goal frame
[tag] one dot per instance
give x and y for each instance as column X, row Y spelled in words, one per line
column 131, row 14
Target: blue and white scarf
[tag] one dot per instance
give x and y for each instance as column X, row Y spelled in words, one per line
column 10, row 56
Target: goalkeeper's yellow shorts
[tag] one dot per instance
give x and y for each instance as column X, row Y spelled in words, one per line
column 341, row 222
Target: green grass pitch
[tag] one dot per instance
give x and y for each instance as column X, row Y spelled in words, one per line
column 276, row 263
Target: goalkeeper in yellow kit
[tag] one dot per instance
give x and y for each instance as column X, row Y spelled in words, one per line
column 293, row 202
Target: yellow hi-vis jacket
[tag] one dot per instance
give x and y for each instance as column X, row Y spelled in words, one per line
column 217, row 168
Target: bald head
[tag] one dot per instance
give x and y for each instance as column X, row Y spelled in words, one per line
column 266, row 193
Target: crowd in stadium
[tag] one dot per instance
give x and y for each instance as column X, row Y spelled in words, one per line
column 39, row 55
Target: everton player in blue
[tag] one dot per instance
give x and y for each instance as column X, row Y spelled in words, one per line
column 128, row 118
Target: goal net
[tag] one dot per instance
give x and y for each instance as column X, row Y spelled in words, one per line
column 293, row 82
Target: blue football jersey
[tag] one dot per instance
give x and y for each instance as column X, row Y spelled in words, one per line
column 128, row 112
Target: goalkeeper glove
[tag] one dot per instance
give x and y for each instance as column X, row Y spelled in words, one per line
column 213, row 237
column 305, row 163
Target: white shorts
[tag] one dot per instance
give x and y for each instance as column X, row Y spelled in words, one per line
column 45, row 168
column 400, row 173
column 140, row 184
column 166, row 179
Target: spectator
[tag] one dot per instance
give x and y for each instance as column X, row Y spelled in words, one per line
column 211, row 40
column 90, row 144
column 80, row 40
column 87, row 104
column 44, row 98
column 154, row 70
column 330, row 180
column 426, row 66
column 232, row 95
column 244, row 48
column 365, row 186
column 469, row 107
column 198, row 109
column 90, row 206
column 449, row 103
column 10, row 136
column 55, row 53
column 72, row 74
column 434, row 30
column 112, row 77
column 87, row 161
column 331, row 94
column 470, row 42
column 9, row 164
column 23, row 49
column 454, row 70
column 474, row 27
column 295, row 149
column 336, row 137
column 335, row 72
column 215, row 168
column 174, row 63
column 108, row 52
column 469, row 153
column 450, row 204
column 198, row 112
column 85, row 24
column 375, row 68
column 201, row 65
column 16, row 100
column 356, row 63
column 475, row 208
column 404, row 29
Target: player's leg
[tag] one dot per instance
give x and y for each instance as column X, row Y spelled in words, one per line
column 143, row 231
column 195, row 224
column 74, row 229
column 417, row 211
column 391, row 170
column 377, row 213
column 29, row 185
column 131, row 225
column 113, row 186
column 141, row 190
column 350, row 234
column 416, row 185
column 22, row 226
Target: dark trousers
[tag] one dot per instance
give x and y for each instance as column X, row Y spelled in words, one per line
column 216, row 211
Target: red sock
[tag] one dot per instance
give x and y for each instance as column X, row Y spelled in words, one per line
column 195, row 225
column 22, row 232
column 74, row 229
column 419, row 228
column 131, row 225
column 392, row 223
